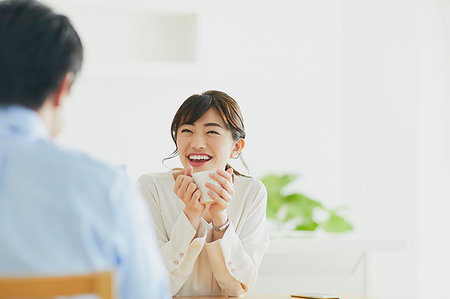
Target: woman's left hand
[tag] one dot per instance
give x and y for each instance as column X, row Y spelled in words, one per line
column 221, row 195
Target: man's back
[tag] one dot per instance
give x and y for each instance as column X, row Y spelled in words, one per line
column 62, row 212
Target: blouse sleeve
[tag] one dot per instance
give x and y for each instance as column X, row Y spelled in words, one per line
column 180, row 247
column 235, row 258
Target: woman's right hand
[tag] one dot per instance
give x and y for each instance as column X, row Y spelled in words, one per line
column 186, row 189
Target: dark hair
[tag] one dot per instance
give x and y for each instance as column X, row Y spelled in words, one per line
column 37, row 48
column 197, row 105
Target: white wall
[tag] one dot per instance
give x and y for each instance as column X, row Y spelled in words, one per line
column 380, row 116
column 284, row 76
column 351, row 94
column 433, row 175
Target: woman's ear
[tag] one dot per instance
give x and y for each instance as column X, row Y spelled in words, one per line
column 238, row 147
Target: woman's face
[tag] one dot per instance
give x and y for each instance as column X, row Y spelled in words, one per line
column 206, row 144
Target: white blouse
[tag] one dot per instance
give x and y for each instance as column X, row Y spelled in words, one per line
column 197, row 266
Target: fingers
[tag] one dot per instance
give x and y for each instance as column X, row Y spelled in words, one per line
column 188, row 171
column 228, row 174
column 178, row 182
column 191, row 188
column 182, row 184
column 218, row 200
column 221, row 192
column 225, row 180
column 196, row 196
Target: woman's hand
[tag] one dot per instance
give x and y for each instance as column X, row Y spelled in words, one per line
column 188, row 192
column 221, row 195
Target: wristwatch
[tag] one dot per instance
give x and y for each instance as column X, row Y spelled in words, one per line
column 223, row 227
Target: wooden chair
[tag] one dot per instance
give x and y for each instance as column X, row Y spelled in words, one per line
column 100, row 284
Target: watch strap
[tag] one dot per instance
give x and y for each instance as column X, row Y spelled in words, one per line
column 223, row 227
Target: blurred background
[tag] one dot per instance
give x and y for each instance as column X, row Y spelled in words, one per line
column 352, row 95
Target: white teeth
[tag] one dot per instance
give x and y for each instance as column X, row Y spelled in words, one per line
column 199, row 157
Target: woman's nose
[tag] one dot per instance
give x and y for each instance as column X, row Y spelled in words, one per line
column 198, row 142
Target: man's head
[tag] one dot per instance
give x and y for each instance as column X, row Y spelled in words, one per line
column 40, row 54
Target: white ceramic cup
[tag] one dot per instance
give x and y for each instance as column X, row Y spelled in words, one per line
column 201, row 178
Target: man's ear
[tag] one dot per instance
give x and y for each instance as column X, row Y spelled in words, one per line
column 238, row 147
column 62, row 90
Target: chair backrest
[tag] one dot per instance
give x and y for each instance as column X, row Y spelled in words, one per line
column 99, row 283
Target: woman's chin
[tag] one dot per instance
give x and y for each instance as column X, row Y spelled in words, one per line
column 202, row 168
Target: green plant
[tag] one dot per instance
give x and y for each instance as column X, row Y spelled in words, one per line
column 298, row 209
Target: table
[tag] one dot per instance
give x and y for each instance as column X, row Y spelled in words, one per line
column 322, row 263
column 275, row 296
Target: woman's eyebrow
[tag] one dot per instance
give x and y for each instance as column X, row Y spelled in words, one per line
column 213, row 125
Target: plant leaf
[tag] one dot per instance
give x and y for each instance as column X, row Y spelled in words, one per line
column 297, row 198
column 297, row 208
column 310, row 226
column 274, row 185
column 336, row 224
column 300, row 206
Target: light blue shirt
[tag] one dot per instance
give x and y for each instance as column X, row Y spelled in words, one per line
column 62, row 212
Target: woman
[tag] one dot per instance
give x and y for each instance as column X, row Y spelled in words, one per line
column 214, row 248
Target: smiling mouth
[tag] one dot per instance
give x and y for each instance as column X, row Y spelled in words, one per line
column 199, row 158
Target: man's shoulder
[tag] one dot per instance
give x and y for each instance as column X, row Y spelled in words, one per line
column 74, row 163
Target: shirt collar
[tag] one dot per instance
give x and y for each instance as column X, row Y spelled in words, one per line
column 21, row 120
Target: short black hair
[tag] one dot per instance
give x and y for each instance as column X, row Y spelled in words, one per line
column 37, row 48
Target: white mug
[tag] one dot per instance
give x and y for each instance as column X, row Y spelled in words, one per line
column 201, row 178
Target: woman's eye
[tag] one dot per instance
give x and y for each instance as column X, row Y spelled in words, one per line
column 212, row 132
column 186, row 131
